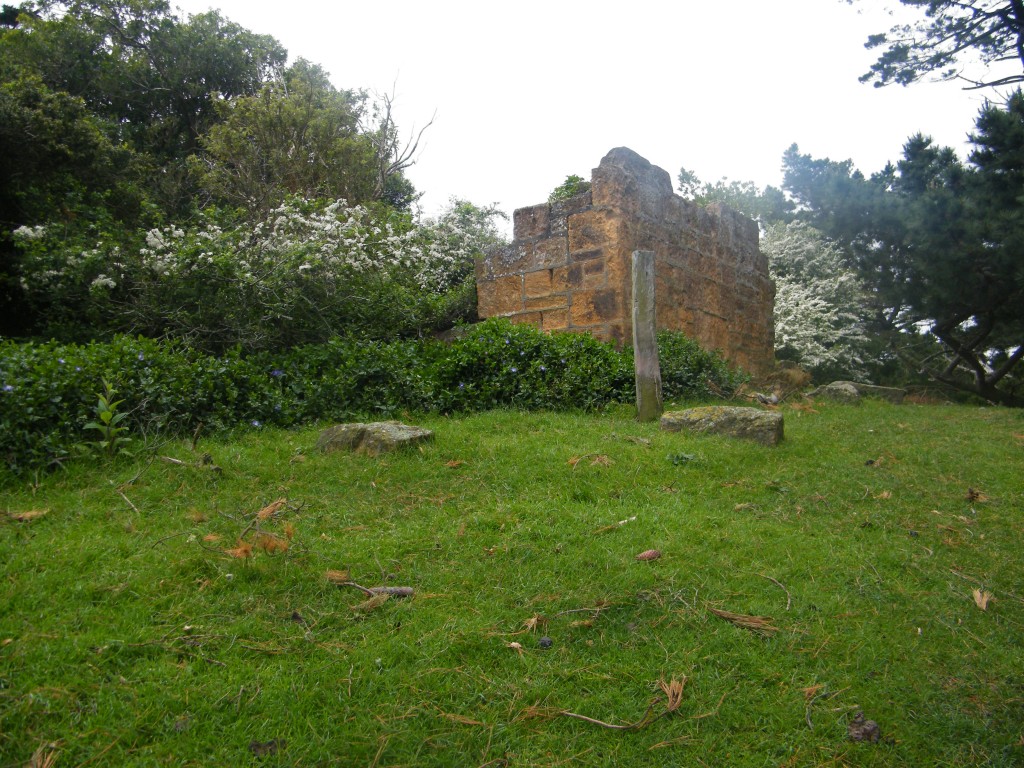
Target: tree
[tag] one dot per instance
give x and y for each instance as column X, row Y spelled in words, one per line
column 940, row 244
column 764, row 206
column 944, row 41
column 302, row 136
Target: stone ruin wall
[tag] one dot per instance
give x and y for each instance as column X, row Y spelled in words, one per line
column 569, row 265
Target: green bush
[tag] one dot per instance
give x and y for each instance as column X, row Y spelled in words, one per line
column 48, row 392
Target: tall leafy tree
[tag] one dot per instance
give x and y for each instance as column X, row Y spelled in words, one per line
column 946, row 40
column 940, row 244
column 765, row 206
column 298, row 136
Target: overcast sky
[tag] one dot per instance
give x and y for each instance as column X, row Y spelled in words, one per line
column 528, row 92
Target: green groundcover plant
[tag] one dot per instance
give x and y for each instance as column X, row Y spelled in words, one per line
column 198, row 606
column 48, row 392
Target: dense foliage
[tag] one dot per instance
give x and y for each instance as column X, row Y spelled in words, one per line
column 48, row 392
column 120, row 118
column 300, row 274
column 939, row 244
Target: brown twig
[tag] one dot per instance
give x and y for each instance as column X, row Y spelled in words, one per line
column 673, row 691
column 128, row 501
column 371, row 591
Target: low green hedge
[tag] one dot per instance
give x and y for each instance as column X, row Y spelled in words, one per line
column 48, row 392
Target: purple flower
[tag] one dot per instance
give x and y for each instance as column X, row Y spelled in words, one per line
column 8, row 387
column 543, row 368
column 461, row 385
column 256, row 423
column 277, row 373
column 60, row 360
column 78, row 367
column 514, row 369
column 141, row 356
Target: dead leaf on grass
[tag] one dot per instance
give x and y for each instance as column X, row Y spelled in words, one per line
column 271, row 509
column 372, row 604
column 271, row 544
column 337, row 577
column 649, row 554
column 454, row 463
column 974, row 495
column 289, row 531
column 533, row 622
column 212, row 537
column 602, row 461
column 811, row 691
column 264, row 748
column 884, row 495
column 242, row 551
column 28, row 516
column 981, row 598
column 762, row 625
column 517, row 647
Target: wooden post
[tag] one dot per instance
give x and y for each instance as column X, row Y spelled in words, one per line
column 645, row 339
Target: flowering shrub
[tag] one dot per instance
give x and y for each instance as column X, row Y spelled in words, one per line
column 48, row 391
column 820, row 312
column 304, row 273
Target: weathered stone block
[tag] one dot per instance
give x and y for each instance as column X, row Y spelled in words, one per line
column 592, row 230
column 537, row 283
column 531, row 222
column 554, row 320
column 372, row 439
column 552, row 252
column 765, row 427
column 595, row 307
column 838, row 391
column 551, row 301
column 500, row 297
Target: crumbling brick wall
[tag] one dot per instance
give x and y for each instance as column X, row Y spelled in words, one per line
column 568, row 267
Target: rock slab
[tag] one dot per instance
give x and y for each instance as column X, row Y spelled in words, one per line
column 765, row 427
column 372, row 439
column 852, row 391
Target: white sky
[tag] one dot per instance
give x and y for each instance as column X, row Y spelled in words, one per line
column 528, row 92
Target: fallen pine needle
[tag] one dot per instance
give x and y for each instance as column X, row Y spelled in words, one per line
column 760, row 624
column 271, row 509
column 372, row 604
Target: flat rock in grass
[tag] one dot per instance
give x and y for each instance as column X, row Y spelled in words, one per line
column 372, row 439
column 764, row 427
column 839, row 392
column 894, row 395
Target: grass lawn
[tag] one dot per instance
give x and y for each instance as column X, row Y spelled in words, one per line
column 134, row 631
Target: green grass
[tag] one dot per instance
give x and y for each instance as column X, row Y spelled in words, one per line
column 129, row 638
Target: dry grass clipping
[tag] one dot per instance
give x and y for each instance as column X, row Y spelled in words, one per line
column 28, row 516
column 762, row 625
column 673, row 691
